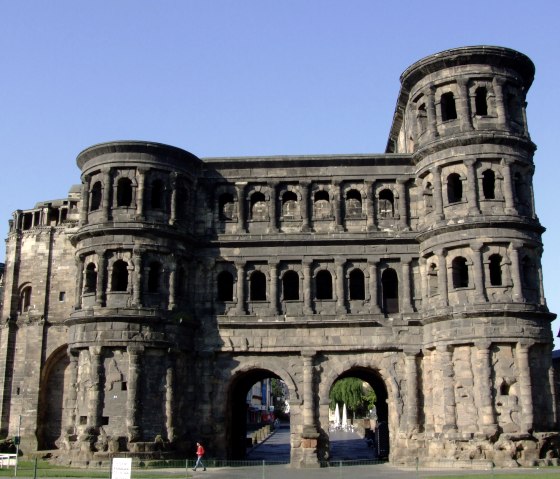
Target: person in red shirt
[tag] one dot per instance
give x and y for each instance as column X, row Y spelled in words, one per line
column 199, row 453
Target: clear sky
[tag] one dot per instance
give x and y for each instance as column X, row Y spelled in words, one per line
column 245, row 77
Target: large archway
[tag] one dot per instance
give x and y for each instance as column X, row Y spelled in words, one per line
column 378, row 426
column 240, row 414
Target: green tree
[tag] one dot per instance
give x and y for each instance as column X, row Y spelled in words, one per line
column 358, row 396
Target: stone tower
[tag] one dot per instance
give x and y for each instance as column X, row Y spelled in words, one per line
column 139, row 310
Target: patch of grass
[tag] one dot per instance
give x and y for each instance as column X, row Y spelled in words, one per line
column 536, row 474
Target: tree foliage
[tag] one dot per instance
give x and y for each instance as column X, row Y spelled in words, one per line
column 358, row 396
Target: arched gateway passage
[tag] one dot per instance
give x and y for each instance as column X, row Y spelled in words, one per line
column 379, row 422
column 238, row 409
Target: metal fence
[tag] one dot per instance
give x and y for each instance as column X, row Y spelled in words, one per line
column 222, row 469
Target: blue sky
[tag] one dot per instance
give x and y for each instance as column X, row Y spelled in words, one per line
column 226, row 78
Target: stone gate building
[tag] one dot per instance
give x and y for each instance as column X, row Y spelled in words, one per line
column 138, row 310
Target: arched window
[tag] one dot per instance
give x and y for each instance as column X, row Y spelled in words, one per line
column 95, row 200
column 495, row 266
column 25, row 299
column 460, row 272
column 290, row 286
column 353, row 203
column 181, row 282
column 432, row 279
column 322, row 206
column 154, row 277
column 90, row 285
column 528, row 272
column 157, row 196
column 390, row 288
column 386, row 204
column 225, row 286
column 119, row 277
column 290, row 208
column 422, row 118
column 257, row 287
column 519, row 189
column 356, row 284
column 227, row 206
column 481, row 101
column 489, row 184
column 182, row 202
column 258, row 206
column 124, row 192
column 454, row 188
column 448, row 110
column 323, row 284
column 429, row 197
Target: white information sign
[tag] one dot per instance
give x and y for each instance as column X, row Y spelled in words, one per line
column 122, row 467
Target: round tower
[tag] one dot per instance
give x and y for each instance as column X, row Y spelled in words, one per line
column 133, row 255
column 463, row 120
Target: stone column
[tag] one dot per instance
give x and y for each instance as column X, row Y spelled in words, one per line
column 542, row 298
column 240, row 188
column 337, row 206
column 137, row 281
column 308, row 405
column 403, row 213
column 305, row 206
column 173, row 212
column 463, row 105
column 424, row 281
column 273, row 269
column 273, row 225
column 431, row 113
column 497, row 84
column 438, row 198
column 516, row 271
column 133, row 399
column 370, row 206
column 478, row 270
column 307, row 308
column 95, row 390
column 141, row 176
column 70, row 406
column 101, row 278
column 530, row 173
column 80, row 279
column 525, row 386
column 85, row 200
column 339, row 286
column 472, row 186
column 509, row 207
column 373, row 296
column 169, row 396
column 442, row 276
column 172, row 290
column 411, row 403
column 483, row 384
column 406, row 295
column 445, row 354
column 106, row 201
column 553, row 397
column 240, row 308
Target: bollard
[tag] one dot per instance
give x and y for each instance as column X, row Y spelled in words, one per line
column 35, row 469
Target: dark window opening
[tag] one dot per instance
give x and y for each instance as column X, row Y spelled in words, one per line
column 227, row 206
column 390, row 287
column 124, row 192
column 95, row 201
column 257, row 290
column 258, row 206
column 489, row 185
column 519, row 189
column 119, row 277
column 290, row 286
column 386, row 204
column 181, row 282
column 53, row 215
column 513, row 102
column 25, row 299
column 289, row 205
column 353, row 203
column 182, row 203
column 481, row 101
column 90, row 279
column 323, row 284
column 504, row 389
column 448, row 110
column 528, row 273
column 83, row 420
column 27, row 221
column 454, row 188
column 495, row 270
column 225, row 286
column 356, row 286
column 62, row 296
column 157, row 196
column 105, row 420
column 322, row 206
column 124, row 386
column 154, row 277
column 460, row 271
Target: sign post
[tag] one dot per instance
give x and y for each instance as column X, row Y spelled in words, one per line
column 121, row 468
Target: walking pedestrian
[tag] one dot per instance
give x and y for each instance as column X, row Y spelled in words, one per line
column 199, row 454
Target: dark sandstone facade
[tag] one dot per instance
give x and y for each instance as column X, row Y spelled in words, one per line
column 138, row 310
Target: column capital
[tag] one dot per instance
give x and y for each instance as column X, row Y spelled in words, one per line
column 308, row 353
column 411, row 352
column 476, row 246
column 525, row 344
column 483, row 345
